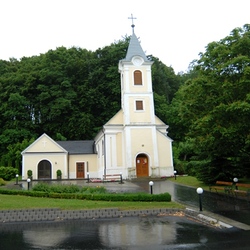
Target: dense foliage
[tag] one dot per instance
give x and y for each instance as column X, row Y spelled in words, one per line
column 209, row 115
column 8, row 173
column 68, row 94
column 2, row 182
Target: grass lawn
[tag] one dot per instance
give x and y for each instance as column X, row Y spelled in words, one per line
column 193, row 182
column 189, row 181
column 25, row 202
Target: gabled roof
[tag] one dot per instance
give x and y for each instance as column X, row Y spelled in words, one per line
column 117, row 119
column 135, row 49
column 51, row 146
column 44, row 144
column 78, row 147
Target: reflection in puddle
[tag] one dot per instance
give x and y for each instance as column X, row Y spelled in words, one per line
column 165, row 232
column 92, row 234
column 46, row 238
column 146, row 231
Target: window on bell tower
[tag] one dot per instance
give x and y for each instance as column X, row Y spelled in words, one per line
column 137, row 77
column 139, row 105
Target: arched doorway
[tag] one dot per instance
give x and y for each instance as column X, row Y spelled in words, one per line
column 142, row 165
column 44, row 170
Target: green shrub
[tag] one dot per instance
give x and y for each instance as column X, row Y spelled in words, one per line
column 56, row 188
column 59, row 188
column 2, row 182
column 64, row 189
column 8, row 173
column 29, row 173
column 58, row 173
column 91, row 190
column 43, row 187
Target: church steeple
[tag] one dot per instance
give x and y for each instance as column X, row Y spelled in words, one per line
column 135, row 49
column 136, row 86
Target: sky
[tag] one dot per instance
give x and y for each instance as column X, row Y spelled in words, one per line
column 175, row 31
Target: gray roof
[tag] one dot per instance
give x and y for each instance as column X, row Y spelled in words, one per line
column 135, row 49
column 78, row 147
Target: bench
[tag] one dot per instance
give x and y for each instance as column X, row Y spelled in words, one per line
column 222, row 185
column 112, row 177
column 242, row 192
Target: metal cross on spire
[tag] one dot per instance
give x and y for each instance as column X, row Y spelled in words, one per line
column 132, row 21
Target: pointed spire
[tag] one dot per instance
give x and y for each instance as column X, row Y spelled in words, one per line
column 134, row 48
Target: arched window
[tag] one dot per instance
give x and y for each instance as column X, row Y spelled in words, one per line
column 137, row 77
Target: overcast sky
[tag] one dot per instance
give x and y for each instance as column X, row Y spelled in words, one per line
column 175, row 31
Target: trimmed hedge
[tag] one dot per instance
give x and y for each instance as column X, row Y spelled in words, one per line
column 63, row 188
column 88, row 196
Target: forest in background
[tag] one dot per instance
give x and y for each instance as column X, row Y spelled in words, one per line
column 69, row 93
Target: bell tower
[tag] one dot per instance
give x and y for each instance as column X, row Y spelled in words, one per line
column 136, row 85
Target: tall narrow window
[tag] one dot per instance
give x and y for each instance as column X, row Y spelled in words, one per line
column 137, row 77
column 139, row 105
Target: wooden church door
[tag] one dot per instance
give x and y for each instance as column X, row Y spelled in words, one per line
column 142, row 165
column 80, row 170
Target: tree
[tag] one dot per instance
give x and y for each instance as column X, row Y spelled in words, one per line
column 214, row 108
column 68, row 93
column 13, row 157
column 165, row 82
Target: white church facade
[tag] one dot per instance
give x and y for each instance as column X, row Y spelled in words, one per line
column 133, row 143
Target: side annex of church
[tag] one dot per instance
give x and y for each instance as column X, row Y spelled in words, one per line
column 134, row 142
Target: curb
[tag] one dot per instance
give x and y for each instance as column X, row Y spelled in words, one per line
column 54, row 214
column 206, row 219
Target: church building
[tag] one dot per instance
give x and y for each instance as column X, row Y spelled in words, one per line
column 134, row 142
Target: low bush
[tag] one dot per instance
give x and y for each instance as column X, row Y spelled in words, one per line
column 43, row 187
column 2, row 182
column 92, row 190
column 8, row 173
column 58, row 188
